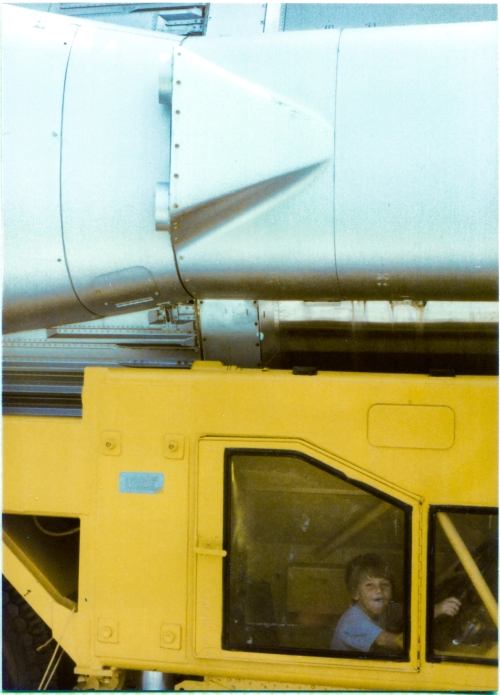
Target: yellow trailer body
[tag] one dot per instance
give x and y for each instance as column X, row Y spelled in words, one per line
column 219, row 507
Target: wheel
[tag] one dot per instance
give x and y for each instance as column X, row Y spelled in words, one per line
column 23, row 631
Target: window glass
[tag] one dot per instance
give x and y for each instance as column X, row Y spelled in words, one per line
column 293, row 528
column 463, row 585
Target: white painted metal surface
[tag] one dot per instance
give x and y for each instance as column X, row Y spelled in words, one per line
column 255, row 124
column 115, row 150
column 416, row 180
column 81, row 169
column 35, row 58
column 275, row 17
column 291, row 177
column 235, row 18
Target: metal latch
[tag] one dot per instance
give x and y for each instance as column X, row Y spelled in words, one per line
column 211, row 551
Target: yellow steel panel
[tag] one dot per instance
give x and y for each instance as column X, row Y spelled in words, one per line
column 140, row 548
column 209, row 536
column 331, row 411
column 37, row 568
column 142, row 563
column 411, row 426
column 45, row 469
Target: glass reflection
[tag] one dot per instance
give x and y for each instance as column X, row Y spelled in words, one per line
column 465, row 546
column 293, row 530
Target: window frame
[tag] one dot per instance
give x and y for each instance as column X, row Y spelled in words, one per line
column 405, row 507
column 430, row 655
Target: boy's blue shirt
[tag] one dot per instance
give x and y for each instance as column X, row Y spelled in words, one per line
column 356, row 631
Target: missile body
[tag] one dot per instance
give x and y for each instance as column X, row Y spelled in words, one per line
column 140, row 170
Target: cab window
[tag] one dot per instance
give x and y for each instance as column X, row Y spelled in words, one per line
column 293, row 529
column 463, row 588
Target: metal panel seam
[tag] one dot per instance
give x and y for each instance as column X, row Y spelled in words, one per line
column 170, row 172
column 60, row 174
column 334, row 160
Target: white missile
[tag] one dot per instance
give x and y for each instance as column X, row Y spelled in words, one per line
column 140, row 170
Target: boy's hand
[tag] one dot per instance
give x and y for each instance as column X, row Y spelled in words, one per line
column 450, row 606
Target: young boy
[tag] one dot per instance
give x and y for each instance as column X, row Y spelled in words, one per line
column 373, row 620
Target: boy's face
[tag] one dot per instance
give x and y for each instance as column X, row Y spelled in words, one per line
column 373, row 595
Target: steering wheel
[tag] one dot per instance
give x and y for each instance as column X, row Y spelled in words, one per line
column 472, row 626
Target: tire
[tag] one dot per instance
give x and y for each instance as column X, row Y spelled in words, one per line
column 22, row 632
